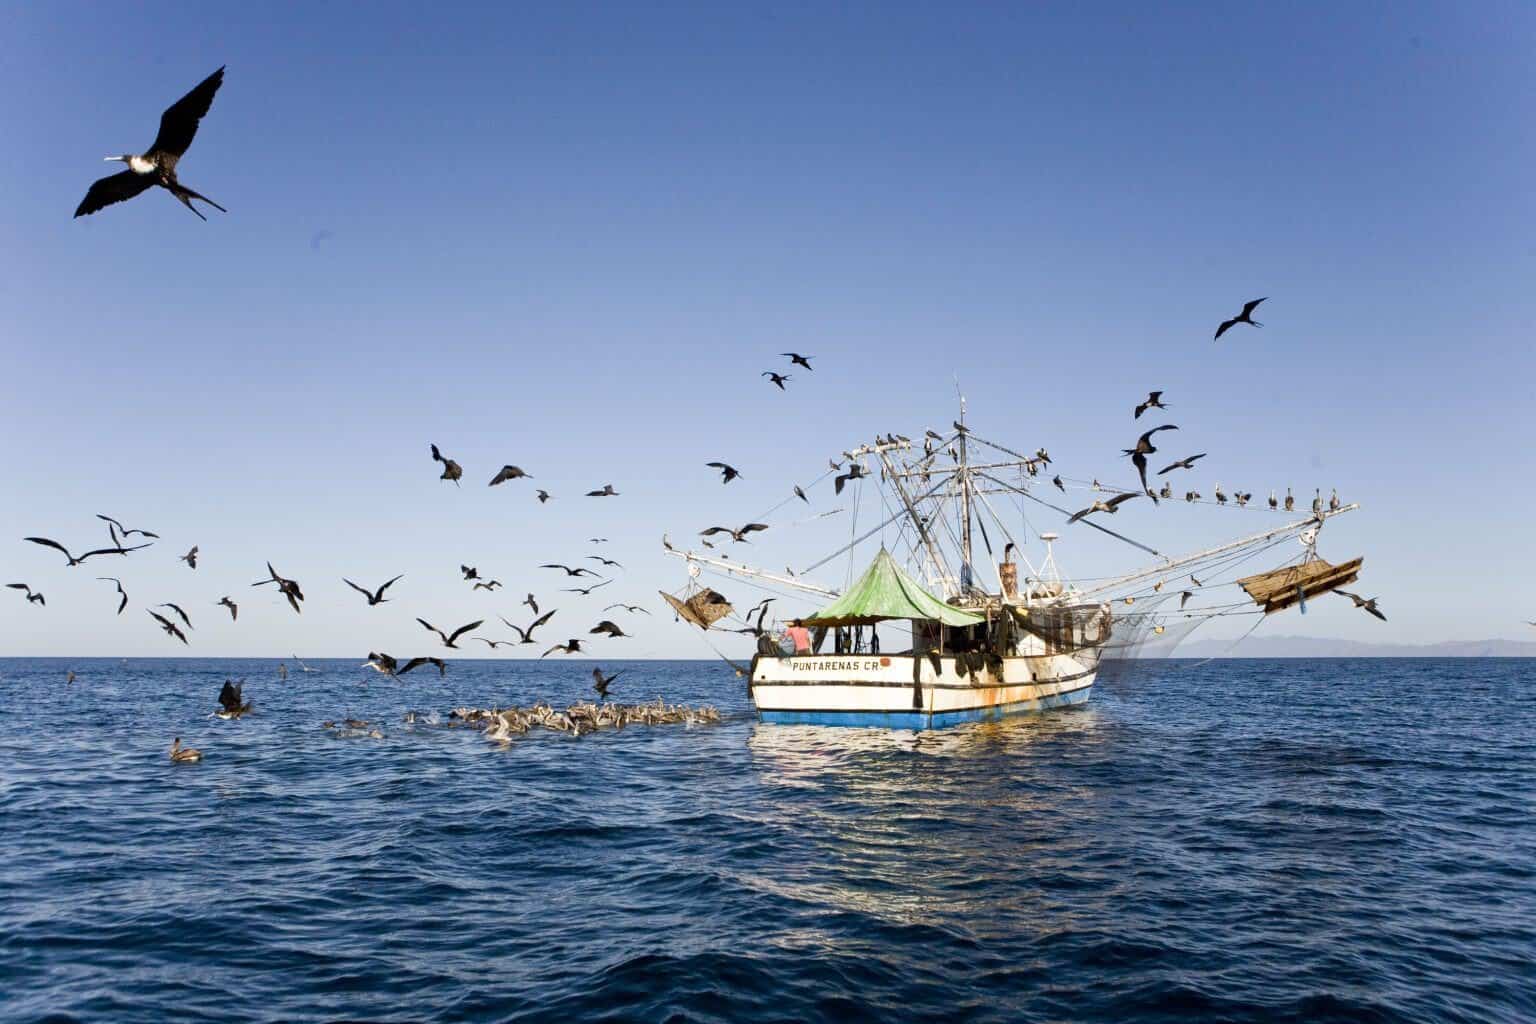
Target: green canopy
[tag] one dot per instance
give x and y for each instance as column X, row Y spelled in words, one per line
column 885, row 592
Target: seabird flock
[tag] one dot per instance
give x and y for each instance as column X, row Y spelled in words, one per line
column 158, row 165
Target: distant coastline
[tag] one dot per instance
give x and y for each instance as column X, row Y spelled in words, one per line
column 1327, row 647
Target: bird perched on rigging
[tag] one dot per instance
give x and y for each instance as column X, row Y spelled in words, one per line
column 1059, row 485
column 1221, row 495
column 777, row 378
column 73, row 561
column 33, row 596
column 738, row 535
column 1360, row 602
column 606, row 492
column 1154, row 401
column 449, row 638
column 600, row 682
column 234, row 609
column 727, row 473
column 800, row 493
column 1245, row 317
column 178, row 126
column 451, row 470
column 508, row 473
column 288, row 588
column 169, row 626
column 1274, row 502
column 1110, row 506
column 121, row 593
column 797, row 359
column 1290, row 501
column 376, row 596
column 1333, row 500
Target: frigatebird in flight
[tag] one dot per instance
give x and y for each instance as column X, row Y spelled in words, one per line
column 73, row 561
column 1245, row 317
column 374, row 596
column 178, row 125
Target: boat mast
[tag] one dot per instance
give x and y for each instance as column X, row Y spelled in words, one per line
column 964, row 473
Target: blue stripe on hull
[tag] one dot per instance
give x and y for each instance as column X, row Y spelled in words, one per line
column 922, row 719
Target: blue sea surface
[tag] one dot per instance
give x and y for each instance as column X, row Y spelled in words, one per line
column 1228, row 841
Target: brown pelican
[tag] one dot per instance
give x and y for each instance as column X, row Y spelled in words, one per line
column 451, row 470
column 184, row 755
column 158, row 166
column 1290, row 501
column 508, row 473
column 1111, row 505
column 1245, row 317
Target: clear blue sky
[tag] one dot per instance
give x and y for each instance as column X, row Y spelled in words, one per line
column 570, row 237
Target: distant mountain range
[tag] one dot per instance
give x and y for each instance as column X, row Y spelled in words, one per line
column 1324, row 647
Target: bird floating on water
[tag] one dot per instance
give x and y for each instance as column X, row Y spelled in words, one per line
column 184, row 755
column 178, row 126
column 1245, row 317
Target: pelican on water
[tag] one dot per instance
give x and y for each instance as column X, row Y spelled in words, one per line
column 158, row 166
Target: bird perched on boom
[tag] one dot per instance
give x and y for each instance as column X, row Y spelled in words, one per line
column 178, row 126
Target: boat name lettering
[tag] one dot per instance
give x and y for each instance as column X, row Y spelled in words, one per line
column 856, row 665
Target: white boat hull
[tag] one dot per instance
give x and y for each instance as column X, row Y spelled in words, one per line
column 879, row 690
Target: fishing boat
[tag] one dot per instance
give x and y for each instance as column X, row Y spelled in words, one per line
column 977, row 634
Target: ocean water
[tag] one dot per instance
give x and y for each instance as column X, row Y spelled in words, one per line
column 1233, row 841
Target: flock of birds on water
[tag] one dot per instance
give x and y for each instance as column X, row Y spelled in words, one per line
column 157, row 166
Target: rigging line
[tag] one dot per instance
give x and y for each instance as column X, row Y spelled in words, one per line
column 764, row 515
column 1085, row 521
column 1229, row 561
column 864, row 537
column 1230, row 646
